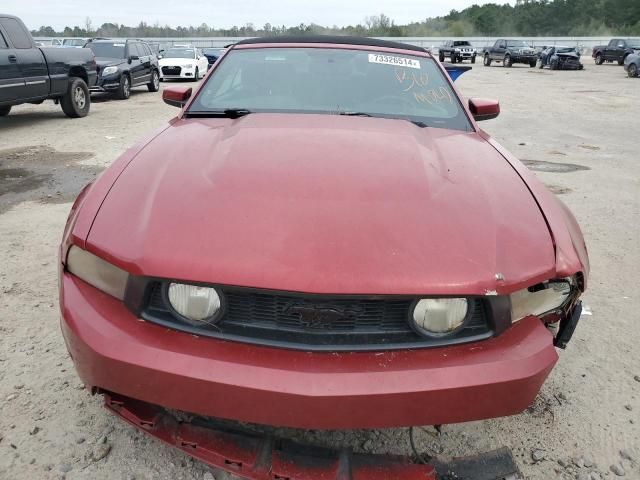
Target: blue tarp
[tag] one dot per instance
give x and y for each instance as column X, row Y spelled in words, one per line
column 455, row 71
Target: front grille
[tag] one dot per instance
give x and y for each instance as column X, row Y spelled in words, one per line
column 316, row 322
column 171, row 70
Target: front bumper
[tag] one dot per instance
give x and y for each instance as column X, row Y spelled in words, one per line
column 183, row 73
column 114, row 351
column 572, row 66
column 250, row 454
column 110, row 83
column 521, row 58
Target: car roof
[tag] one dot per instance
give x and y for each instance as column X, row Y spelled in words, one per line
column 346, row 40
column 109, row 40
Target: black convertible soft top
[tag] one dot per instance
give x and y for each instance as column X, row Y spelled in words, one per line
column 370, row 42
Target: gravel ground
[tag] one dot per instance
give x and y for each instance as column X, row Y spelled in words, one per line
column 576, row 129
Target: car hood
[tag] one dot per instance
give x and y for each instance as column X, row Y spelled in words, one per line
column 568, row 54
column 107, row 62
column 179, row 62
column 325, row 204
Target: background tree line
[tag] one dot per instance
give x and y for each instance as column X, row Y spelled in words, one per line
column 527, row 18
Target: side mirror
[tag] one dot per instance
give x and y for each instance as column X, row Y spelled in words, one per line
column 133, row 57
column 483, row 109
column 176, row 96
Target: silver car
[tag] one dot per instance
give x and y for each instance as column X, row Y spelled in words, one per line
column 632, row 64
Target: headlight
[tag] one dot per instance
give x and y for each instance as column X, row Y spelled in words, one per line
column 456, row 50
column 195, row 304
column 96, row 272
column 439, row 316
column 109, row 70
column 541, row 299
column 189, row 65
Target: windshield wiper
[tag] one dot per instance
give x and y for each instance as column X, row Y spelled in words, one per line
column 363, row 114
column 227, row 112
column 355, row 114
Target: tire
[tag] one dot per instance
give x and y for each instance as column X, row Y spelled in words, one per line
column 454, row 59
column 507, row 62
column 76, row 102
column 599, row 59
column 487, row 60
column 4, row 111
column 632, row 71
column 124, row 90
column 441, row 57
column 154, row 85
column 473, row 59
column 621, row 62
column 196, row 77
column 533, row 63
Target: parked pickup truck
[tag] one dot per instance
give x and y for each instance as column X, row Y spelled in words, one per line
column 457, row 51
column 29, row 74
column 509, row 52
column 616, row 51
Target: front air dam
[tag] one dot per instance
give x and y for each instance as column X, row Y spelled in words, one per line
column 254, row 456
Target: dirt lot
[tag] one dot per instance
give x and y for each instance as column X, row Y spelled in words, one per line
column 577, row 129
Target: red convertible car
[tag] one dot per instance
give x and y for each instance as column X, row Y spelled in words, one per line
column 322, row 238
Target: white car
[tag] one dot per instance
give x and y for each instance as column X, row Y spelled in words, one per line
column 183, row 63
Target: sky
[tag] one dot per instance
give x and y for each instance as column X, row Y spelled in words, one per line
column 224, row 13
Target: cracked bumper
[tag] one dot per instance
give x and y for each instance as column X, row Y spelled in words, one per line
column 114, row 351
column 253, row 456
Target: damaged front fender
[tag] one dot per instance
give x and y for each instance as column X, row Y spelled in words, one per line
column 571, row 255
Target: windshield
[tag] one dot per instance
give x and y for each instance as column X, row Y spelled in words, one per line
column 461, row 44
column 107, row 50
column 516, row 43
column 332, row 81
column 180, row 53
column 565, row 49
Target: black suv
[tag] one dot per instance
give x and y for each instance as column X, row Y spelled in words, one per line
column 123, row 64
